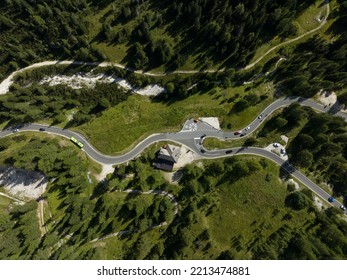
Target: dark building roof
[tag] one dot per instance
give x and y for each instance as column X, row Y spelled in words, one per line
column 172, row 151
column 164, row 164
column 165, row 158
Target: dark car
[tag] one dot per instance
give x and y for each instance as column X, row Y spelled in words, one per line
column 42, row 129
column 202, row 150
column 228, row 151
column 331, row 199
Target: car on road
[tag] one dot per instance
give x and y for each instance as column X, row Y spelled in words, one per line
column 42, row 129
column 275, row 145
column 202, row 150
column 202, row 136
column 247, row 128
column 331, row 199
column 260, row 116
column 15, row 130
column 228, row 151
column 242, row 134
column 237, row 132
column 343, row 208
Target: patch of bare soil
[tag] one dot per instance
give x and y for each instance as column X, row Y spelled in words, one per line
column 23, row 183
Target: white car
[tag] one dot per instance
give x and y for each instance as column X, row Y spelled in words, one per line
column 283, row 151
column 275, row 145
column 15, row 130
column 343, row 208
column 247, row 128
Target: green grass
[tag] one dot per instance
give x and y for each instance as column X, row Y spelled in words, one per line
column 4, row 202
column 113, row 53
column 249, row 209
column 305, row 22
column 242, row 119
column 122, row 127
column 117, row 52
column 272, row 137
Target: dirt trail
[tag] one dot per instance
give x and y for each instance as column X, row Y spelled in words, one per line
column 5, row 84
column 292, row 40
column 41, row 217
column 13, row 198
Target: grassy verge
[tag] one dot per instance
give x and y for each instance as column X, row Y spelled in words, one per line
column 122, row 127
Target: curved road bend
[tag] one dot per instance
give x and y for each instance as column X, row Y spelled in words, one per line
column 279, row 161
column 189, row 137
column 193, row 139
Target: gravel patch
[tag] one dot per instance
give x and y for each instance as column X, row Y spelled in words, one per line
column 89, row 80
column 22, row 183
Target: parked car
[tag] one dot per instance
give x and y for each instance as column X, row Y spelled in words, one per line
column 283, row 151
column 331, row 199
column 42, row 129
column 275, row 145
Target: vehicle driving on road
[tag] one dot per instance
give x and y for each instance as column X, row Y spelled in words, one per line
column 78, row 143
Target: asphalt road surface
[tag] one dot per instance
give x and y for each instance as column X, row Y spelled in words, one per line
column 192, row 136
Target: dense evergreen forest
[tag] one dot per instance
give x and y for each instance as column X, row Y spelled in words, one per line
column 289, row 227
column 25, row 105
column 36, row 30
column 320, row 146
column 318, row 64
column 315, row 65
column 227, row 31
column 212, row 196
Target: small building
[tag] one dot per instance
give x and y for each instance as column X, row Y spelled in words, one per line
column 167, row 156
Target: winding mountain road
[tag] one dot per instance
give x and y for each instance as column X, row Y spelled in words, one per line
column 192, row 136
